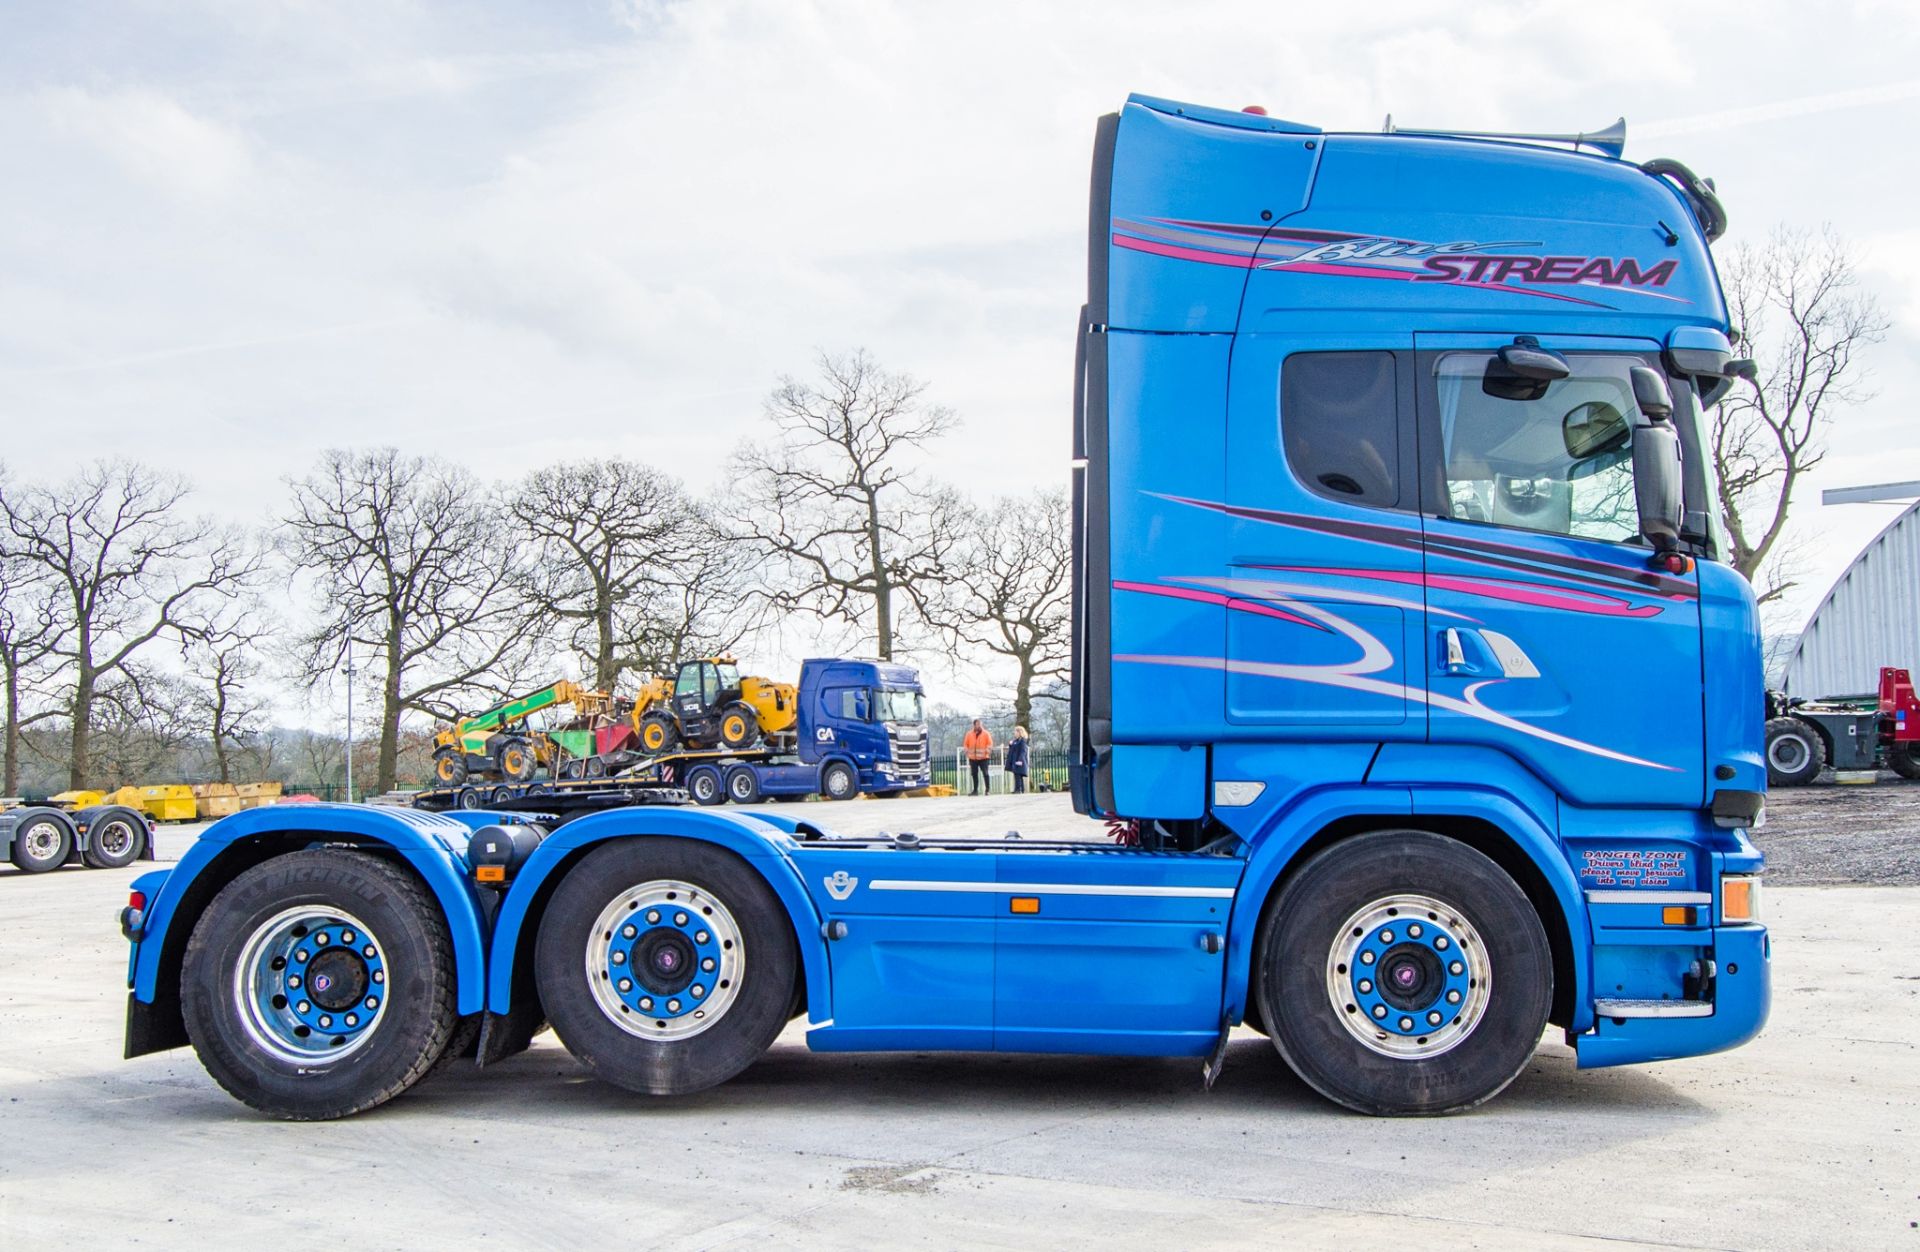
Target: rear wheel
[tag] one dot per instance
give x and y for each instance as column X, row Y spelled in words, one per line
column 665, row 966
column 839, row 782
column 1401, row 972
column 658, row 734
column 739, row 726
column 319, row 984
column 115, row 838
column 743, row 786
column 705, row 786
column 470, row 798
column 1903, row 760
column 1795, row 753
column 41, row 842
column 450, row 767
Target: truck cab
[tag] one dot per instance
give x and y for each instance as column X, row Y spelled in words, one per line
column 872, row 713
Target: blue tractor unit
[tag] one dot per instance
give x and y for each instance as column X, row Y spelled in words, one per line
column 1407, row 665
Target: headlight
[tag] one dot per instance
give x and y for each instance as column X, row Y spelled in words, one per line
column 1739, row 899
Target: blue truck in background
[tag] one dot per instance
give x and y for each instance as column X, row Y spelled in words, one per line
column 1407, row 661
column 860, row 729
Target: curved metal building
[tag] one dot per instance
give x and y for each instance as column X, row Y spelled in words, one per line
column 1870, row 618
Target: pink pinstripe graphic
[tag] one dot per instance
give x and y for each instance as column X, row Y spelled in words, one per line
column 1538, row 594
column 1214, row 597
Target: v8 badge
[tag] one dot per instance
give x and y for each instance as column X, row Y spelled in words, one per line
column 840, row 884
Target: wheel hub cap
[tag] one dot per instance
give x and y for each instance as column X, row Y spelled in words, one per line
column 665, row 960
column 310, row 983
column 1409, row 977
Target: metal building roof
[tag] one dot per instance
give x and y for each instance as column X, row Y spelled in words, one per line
column 1870, row 618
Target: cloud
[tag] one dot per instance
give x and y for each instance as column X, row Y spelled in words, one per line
column 151, row 138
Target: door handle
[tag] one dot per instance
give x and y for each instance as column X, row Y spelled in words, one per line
column 1456, row 656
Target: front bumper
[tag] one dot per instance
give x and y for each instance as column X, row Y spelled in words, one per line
column 1742, row 996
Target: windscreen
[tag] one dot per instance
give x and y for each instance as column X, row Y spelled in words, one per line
column 895, row 704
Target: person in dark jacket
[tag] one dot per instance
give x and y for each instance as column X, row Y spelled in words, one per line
column 1016, row 762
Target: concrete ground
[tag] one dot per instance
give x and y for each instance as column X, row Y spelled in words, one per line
column 1805, row 1138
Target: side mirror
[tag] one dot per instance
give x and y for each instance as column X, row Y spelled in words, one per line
column 862, row 706
column 1593, row 428
column 1657, row 482
column 1651, row 394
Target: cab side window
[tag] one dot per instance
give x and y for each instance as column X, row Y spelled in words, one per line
column 1340, row 425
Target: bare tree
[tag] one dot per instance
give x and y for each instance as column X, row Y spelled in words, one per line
column 837, row 502
column 627, row 564
column 1011, row 594
column 126, row 568
column 1796, row 301
column 29, row 631
column 226, row 700
column 412, row 566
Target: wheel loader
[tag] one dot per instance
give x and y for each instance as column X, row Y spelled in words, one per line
column 708, row 704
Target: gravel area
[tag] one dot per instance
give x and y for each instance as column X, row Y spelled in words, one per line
column 1833, row 833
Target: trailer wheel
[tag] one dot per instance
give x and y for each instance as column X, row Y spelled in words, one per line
column 469, row 797
column 319, row 984
column 115, row 838
column 743, row 785
column 42, row 841
column 666, row 966
column 450, row 767
column 1401, row 972
column 705, row 786
column 1902, row 760
column 838, row 781
column 1795, row 753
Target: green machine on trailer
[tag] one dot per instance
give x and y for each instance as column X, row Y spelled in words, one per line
column 498, row 743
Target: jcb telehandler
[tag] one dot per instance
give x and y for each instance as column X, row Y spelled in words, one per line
column 709, row 705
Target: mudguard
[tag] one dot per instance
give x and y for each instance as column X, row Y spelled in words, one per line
column 762, row 841
column 1277, row 848
column 434, row 845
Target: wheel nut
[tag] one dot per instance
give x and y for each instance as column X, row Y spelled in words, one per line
column 320, row 938
column 673, row 1006
column 373, row 1002
column 1453, row 997
column 702, row 937
column 379, row 976
column 679, row 919
column 303, row 1007
column 646, row 1002
column 368, row 951
column 1413, row 931
column 618, row 958
column 1406, row 1023
column 1456, row 968
column 346, row 937
column 1433, row 1019
column 653, row 915
column 1366, row 958
column 352, row 1020
column 300, row 954
column 1386, row 936
column 628, row 931
column 1366, row 985
column 707, row 965
column 1379, row 1010
column 293, row 980
column 698, row 991
column 325, row 1020
column 1440, row 942
column 626, row 984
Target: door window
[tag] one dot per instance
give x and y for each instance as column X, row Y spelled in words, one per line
column 1554, row 456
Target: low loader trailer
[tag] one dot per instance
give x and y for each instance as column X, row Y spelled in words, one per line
column 1407, row 662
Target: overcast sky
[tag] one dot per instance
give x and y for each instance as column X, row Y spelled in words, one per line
column 233, row 234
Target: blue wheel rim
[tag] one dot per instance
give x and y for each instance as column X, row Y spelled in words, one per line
column 1409, row 976
column 311, row 983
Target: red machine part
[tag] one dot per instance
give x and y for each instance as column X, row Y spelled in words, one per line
column 1899, row 706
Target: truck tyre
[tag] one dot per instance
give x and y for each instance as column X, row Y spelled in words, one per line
column 1902, row 759
column 743, row 785
column 1795, row 753
column 450, row 767
column 319, row 984
column 838, row 781
column 116, row 836
column 705, row 786
column 469, row 797
column 1401, row 972
column 666, row 966
column 515, row 761
column 658, row 734
column 42, row 841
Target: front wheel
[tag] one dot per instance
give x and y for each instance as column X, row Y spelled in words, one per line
column 318, row 984
column 516, row 761
column 839, row 782
column 1903, row 760
column 739, row 726
column 1402, row 972
column 665, row 966
column 450, row 767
